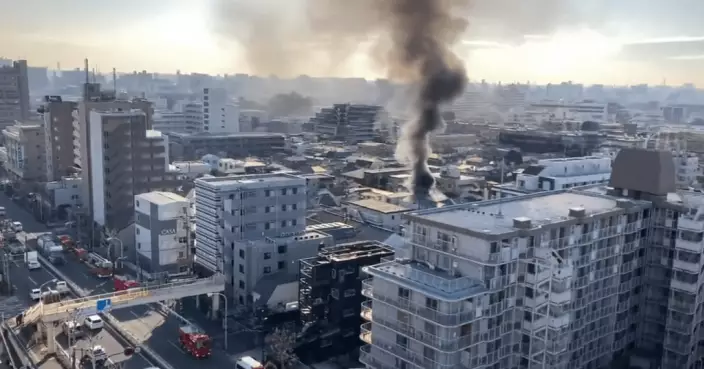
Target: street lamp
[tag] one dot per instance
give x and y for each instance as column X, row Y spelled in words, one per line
column 47, row 282
column 224, row 319
column 111, row 250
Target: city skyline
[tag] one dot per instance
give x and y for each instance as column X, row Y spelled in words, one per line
column 544, row 41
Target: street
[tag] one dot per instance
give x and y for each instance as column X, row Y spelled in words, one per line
column 147, row 323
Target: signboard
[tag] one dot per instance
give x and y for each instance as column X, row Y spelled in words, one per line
column 103, row 305
column 166, row 232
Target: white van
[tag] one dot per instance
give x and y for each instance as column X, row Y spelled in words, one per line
column 93, row 322
column 17, row 226
column 248, row 362
column 3, row 212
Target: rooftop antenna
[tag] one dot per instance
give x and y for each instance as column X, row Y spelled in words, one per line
column 114, row 80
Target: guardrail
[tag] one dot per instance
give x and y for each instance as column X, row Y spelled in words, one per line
column 21, row 349
column 112, row 322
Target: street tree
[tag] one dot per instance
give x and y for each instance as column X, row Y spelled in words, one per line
column 280, row 347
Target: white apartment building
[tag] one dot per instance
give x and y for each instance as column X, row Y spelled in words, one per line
column 557, row 174
column 193, row 116
column 169, row 121
column 65, row 192
column 251, row 226
column 581, row 111
column 220, row 114
column 161, row 233
column 687, row 166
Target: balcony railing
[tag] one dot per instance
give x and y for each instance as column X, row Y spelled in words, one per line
column 414, row 273
column 446, row 345
column 447, row 319
column 367, row 358
column 366, row 333
column 366, row 312
column 418, row 358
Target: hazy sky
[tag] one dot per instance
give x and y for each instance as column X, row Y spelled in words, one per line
column 591, row 41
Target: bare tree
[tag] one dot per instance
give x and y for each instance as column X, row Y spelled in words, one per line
column 280, row 345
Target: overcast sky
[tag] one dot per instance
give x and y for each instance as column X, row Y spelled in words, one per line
column 594, row 41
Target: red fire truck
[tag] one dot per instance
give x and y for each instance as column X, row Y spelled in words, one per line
column 194, row 341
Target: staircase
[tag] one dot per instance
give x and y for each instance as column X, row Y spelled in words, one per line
column 122, row 299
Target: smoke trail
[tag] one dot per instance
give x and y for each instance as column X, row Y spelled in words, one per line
column 423, row 32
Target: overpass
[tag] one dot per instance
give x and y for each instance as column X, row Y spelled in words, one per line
column 83, row 306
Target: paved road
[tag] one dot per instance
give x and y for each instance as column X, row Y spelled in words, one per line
column 147, row 323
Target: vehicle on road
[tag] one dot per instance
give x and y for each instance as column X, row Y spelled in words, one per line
column 3, row 212
column 121, row 283
column 94, row 322
column 16, row 247
column 35, row 294
column 73, row 330
column 248, row 362
column 100, row 266
column 97, row 355
column 51, row 296
column 49, row 246
column 194, row 341
column 32, row 261
column 17, row 226
column 62, row 287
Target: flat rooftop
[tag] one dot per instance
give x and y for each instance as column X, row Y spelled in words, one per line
column 541, row 208
column 380, row 206
column 161, row 198
column 247, row 179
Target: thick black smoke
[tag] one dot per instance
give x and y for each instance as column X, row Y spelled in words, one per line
column 423, row 32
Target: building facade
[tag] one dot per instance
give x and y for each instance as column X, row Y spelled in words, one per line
column 220, row 115
column 239, row 218
column 14, row 93
column 236, row 145
column 352, row 123
column 330, row 297
column 58, row 117
column 25, row 152
column 126, row 159
column 161, row 233
column 586, row 278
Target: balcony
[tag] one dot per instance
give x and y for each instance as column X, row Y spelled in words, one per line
column 694, row 246
column 416, row 358
column 538, row 299
column 689, row 223
column 366, row 358
column 366, row 333
column 446, row 319
column 538, row 277
column 679, row 346
column 561, row 297
column 685, row 265
column 447, row 345
column 367, row 288
column 366, row 312
column 683, row 286
column 681, row 327
column 682, row 306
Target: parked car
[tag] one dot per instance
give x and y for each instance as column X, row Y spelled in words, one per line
column 33, row 265
column 17, row 226
column 94, row 322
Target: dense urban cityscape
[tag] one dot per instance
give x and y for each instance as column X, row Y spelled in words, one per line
column 157, row 219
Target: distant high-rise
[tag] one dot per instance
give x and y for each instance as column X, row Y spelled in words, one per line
column 14, row 93
column 58, row 136
column 351, row 123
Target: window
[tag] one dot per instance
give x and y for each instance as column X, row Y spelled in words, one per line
column 404, row 293
column 267, row 270
column 281, row 265
column 283, row 224
column 283, row 191
column 242, row 284
column 282, row 249
column 267, row 209
column 294, row 190
column 267, row 225
column 242, row 253
column 267, row 193
column 431, row 303
column 241, row 268
column 294, row 222
column 181, row 255
column 283, row 207
column 267, row 255
column 294, row 206
column 136, row 231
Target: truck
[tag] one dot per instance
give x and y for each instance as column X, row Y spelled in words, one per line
column 62, row 287
column 123, row 283
column 194, row 341
column 48, row 246
column 32, row 260
column 15, row 247
column 100, row 267
column 66, row 242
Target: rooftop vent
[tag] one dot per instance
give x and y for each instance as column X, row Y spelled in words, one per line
column 578, row 212
column 522, row 223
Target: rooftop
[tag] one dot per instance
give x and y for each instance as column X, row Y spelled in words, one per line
column 542, row 208
column 161, row 198
column 247, row 179
column 380, row 206
column 224, row 135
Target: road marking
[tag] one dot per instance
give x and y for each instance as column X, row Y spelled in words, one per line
column 177, row 346
column 33, row 281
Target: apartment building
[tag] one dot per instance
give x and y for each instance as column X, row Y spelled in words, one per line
column 557, row 174
column 252, row 226
column 14, row 93
column 25, row 152
column 125, row 159
column 220, row 115
column 102, row 101
column 162, row 233
column 582, row 278
column 58, row 116
column 351, row 123
column 330, row 297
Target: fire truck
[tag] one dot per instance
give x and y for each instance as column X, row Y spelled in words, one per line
column 194, row 341
column 123, row 283
column 100, row 267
